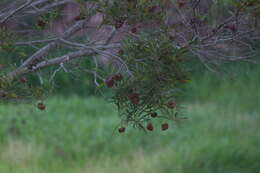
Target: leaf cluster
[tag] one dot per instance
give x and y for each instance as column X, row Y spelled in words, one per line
column 156, row 76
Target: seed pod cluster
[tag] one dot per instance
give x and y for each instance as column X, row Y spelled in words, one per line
column 154, row 114
column 164, row 126
column 79, row 17
column 120, row 52
column 117, row 77
column 23, row 80
column 119, row 24
column 148, row 89
column 121, row 129
column 181, row 3
column 171, row 104
column 110, row 82
column 134, row 98
column 150, row 127
column 41, row 106
column 134, row 30
column 41, row 23
column 152, row 9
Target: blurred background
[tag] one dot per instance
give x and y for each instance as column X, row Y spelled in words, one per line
column 78, row 130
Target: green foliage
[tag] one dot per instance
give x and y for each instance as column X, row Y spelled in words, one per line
column 6, row 39
column 47, row 19
column 156, row 74
column 154, row 63
column 37, row 86
column 20, row 90
column 134, row 11
column 23, row 88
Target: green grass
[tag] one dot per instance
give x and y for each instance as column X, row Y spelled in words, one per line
column 75, row 135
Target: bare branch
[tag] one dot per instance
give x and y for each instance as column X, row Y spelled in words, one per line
column 16, row 11
column 35, row 42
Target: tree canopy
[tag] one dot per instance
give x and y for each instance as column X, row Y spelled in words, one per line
column 141, row 49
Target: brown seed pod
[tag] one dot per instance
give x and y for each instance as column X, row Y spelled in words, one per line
column 134, row 30
column 134, row 98
column 18, row 97
column 41, row 106
column 150, row 127
column 181, row 4
column 41, row 23
column 23, row 80
column 110, row 83
column 79, row 17
column 214, row 30
column 121, row 129
column 154, row 114
column 120, row 52
column 249, row 4
column 233, row 28
column 171, row 37
column 184, row 80
column 119, row 24
column 117, row 77
column 152, row 9
column 164, row 126
column 171, row 104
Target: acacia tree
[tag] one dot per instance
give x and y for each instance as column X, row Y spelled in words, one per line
column 146, row 45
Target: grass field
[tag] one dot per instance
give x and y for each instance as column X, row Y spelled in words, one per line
column 75, row 135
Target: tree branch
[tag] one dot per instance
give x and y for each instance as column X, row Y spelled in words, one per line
column 16, row 11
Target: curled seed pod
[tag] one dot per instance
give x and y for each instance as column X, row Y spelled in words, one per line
column 249, row 4
column 233, row 28
column 117, row 77
column 134, row 30
column 23, row 80
column 154, row 114
column 150, row 127
column 119, row 24
column 152, row 9
column 120, row 52
column 181, row 4
column 184, row 80
column 41, row 106
column 110, row 83
column 164, row 126
column 171, row 104
column 121, row 129
column 79, row 17
column 214, row 30
column 171, row 37
column 134, row 98
column 41, row 23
